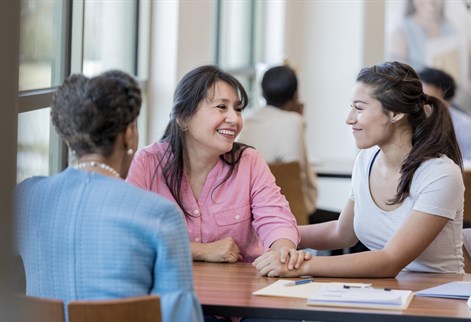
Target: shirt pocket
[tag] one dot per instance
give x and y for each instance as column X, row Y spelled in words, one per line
column 233, row 216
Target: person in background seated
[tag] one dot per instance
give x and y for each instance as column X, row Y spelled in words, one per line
column 85, row 233
column 233, row 209
column 440, row 84
column 406, row 202
column 277, row 130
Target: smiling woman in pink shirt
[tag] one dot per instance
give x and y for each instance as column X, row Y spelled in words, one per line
column 234, row 211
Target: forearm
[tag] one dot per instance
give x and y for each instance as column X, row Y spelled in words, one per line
column 364, row 264
column 324, row 236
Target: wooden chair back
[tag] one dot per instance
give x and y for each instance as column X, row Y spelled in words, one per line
column 37, row 309
column 288, row 178
column 467, row 197
column 467, row 249
column 135, row 309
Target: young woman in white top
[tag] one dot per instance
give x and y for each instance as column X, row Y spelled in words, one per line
column 406, row 202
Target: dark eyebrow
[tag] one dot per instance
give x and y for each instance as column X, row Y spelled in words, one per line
column 225, row 100
column 359, row 101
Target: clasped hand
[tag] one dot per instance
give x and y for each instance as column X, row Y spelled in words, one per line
column 283, row 262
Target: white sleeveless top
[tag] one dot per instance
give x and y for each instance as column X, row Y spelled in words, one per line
column 437, row 188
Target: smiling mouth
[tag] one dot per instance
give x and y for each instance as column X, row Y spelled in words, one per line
column 226, row 132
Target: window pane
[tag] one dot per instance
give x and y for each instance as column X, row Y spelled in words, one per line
column 33, row 143
column 41, row 44
column 110, row 36
column 248, row 82
column 236, row 34
column 237, row 46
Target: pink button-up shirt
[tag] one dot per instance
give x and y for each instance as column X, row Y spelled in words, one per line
column 247, row 207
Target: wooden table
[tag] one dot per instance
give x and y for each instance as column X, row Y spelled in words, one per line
column 226, row 289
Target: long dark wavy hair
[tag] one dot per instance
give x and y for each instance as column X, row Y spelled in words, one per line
column 192, row 89
column 398, row 88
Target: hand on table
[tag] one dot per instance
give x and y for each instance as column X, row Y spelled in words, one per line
column 283, row 262
column 220, row 251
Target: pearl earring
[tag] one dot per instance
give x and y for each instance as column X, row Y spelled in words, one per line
column 130, row 152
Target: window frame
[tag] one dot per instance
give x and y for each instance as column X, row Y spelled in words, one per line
column 72, row 58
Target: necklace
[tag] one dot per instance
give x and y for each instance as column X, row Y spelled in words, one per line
column 100, row 165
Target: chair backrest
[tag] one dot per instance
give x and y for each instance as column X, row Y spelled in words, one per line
column 37, row 309
column 467, row 249
column 288, row 178
column 467, row 197
column 135, row 309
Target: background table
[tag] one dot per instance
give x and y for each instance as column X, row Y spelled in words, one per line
column 334, row 168
column 226, row 289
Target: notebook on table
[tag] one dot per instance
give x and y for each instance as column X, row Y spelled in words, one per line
column 280, row 288
column 452, row 290
column 341, row 294
column 373, row 298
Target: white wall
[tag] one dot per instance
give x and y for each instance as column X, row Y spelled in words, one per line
column 325, row 42
column 327, row 51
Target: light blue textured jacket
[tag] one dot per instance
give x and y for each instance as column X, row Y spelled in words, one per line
column 87, row 236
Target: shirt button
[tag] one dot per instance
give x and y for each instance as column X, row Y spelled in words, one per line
column 197, row 239
column 196, row 212
column 237, row 217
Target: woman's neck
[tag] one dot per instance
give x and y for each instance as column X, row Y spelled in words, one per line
column 198, row 165
column 197, row 161
column 197, row 169
column 393, row 156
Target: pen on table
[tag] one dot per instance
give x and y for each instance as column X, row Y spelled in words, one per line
column 365, row 286
column 299, row 282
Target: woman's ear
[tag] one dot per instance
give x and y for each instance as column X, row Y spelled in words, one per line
column 182, row 125
column 395, row 117
column 131, row 138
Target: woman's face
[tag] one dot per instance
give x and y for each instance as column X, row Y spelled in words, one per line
column 370, row 125
column 217, row 121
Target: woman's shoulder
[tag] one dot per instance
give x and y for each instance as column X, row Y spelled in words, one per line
column 153, row 149
column 442, row 163
column 440, row 168
column 250, row 158
column 249, row 153
column 365, row 156
column 152, row 152
column 42, row 183
column 31, row 184
column 364, row 161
